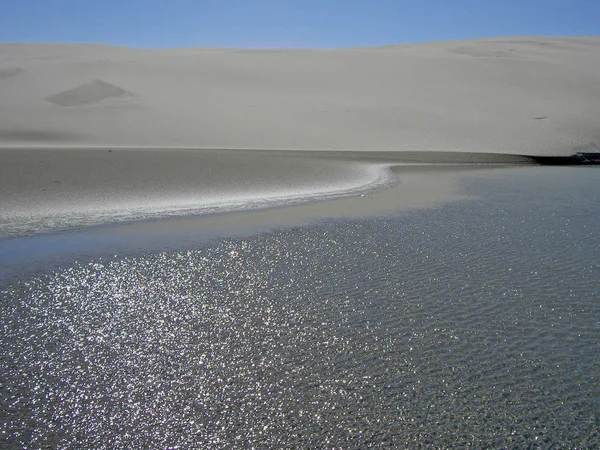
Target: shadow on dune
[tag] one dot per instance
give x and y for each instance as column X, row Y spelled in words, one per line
column 32, row 135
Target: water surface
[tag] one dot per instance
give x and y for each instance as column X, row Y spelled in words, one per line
column 473, row 324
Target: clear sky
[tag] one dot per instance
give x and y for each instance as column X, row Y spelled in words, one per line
column 289, row 23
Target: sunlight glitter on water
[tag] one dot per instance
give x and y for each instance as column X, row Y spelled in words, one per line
column 399, row 331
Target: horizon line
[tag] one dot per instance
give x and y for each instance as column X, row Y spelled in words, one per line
column 227, row 47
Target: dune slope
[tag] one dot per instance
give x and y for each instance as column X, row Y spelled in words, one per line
column 532, row 96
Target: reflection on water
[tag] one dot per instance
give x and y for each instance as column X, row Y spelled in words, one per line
column 474, row 324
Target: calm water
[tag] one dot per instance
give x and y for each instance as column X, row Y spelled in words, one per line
column 474, row 324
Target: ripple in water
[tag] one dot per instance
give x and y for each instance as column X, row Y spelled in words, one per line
column 476, row 324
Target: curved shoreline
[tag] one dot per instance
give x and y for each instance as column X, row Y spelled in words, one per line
column 47, row 189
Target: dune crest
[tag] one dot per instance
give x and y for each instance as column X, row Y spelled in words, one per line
column 87, row 94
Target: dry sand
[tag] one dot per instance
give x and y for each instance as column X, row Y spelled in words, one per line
column 358, row 111
column 509, row 95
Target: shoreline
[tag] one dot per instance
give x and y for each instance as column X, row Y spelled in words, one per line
column 589, row 156
column 45, row 190
column 416, row 187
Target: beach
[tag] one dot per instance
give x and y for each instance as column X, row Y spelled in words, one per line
column 91, row 134
column 51, row 189
column 308, row 248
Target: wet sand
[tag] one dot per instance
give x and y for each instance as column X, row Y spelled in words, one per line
column 46, row 189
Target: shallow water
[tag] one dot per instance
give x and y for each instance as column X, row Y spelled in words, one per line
column 473, row 324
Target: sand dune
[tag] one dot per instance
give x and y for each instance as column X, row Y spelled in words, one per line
column 534, row 96
column 90, row 134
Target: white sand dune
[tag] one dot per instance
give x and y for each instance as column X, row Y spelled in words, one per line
column 534, row 96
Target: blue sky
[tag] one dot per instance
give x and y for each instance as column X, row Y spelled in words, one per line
column 288, row 23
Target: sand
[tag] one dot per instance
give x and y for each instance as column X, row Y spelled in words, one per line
column 45, row 189
column 509, row 95
column 96, row 130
